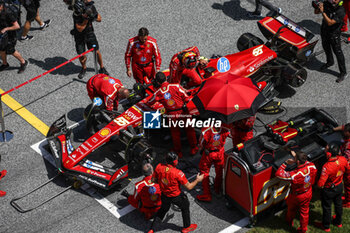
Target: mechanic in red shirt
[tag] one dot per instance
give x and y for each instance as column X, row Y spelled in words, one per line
column 345, row 151
column 301, row 178
column 2, row 174
column 170, row 180
column 173, row 97
column 144, row 53
column 146, row 197
column 242, row 130
column 184, row 63
column 331, row 183
column 109, row 89
column 346, row 5
column 212, row 144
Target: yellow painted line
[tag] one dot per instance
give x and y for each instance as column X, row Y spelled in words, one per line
column 24, row 113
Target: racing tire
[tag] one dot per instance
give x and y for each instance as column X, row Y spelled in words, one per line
column 295, row 75
column 248, row 40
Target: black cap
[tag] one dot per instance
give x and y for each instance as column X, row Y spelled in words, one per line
column 171, row 157
column 333, row 149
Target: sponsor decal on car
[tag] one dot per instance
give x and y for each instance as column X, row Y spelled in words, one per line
column 121, row 121
column 92, row 181
column 54, row 148
column 104, row 132
column 130, row 115
column 223, row 65
column 96, row 174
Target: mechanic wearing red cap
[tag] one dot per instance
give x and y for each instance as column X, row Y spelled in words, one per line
column 332, row 187
column 109, row 89
column 346, row 5
column 345, row 151
column 144, row 52
column 184, row 63
column 170, row 180
column 242, row 130
column 146, row 197
column 212, row 144
column 302, row 178
column 174, row 98
column 2, row 174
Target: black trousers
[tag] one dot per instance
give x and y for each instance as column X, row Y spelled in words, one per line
column 333, row 42
column 329, row 196
column 182, row 202
column 265, row 3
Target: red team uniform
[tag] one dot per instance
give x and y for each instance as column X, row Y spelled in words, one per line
column 106, row 88
column 146, row 197
column 144, row 57
column 302, row 178
column 242, row 130
column 177, row 69
column 345, row 151
column 332, row 188
column 346, row 5
column 213, row 143
column 173, row 98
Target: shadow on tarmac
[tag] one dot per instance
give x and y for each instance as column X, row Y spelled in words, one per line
column 233, row 10
column 52, row 62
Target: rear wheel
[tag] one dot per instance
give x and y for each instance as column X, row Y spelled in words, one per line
column 295, row 75
column 248, row 40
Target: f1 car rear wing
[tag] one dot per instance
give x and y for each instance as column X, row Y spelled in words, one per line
column 295, row 27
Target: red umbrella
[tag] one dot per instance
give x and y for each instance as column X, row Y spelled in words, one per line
column 228, row 97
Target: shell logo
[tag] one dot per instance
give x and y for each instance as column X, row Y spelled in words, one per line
column 88, row 171
column 236, row 106
column 166, row 169
column 104, row 132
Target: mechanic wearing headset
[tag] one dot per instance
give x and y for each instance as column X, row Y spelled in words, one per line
column 333, row 14
column 212, row 144
column 345, row 151
column 174, row 98
column 170, row 180
column 242, row 130
column 144, row 53
column 184, row 63
column 331, row 183
column 2, row 174
column 301, row 178
column 146, row 197
column 109, row 89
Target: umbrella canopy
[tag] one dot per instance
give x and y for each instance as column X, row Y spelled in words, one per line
column 228, row 97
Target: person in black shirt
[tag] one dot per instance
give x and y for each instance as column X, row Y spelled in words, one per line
column 8, row 38
column 333, row 14
column 84, row 14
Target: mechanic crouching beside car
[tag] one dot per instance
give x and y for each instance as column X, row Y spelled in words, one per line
column 301, row 178
column 333, row 14
column 109, row 89
column 146, row 197
column 331, row 183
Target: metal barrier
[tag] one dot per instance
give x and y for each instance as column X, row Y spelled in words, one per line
column 6, row 135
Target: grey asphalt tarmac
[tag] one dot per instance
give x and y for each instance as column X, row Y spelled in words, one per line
column 212, row 25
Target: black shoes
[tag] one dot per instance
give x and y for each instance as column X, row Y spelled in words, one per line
column 46, row 24
column 82, row 73
column 341, row 77
column 4, row 67
column 325, row 66
column 27, row 37
column 103, row 71
column 23, row 67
